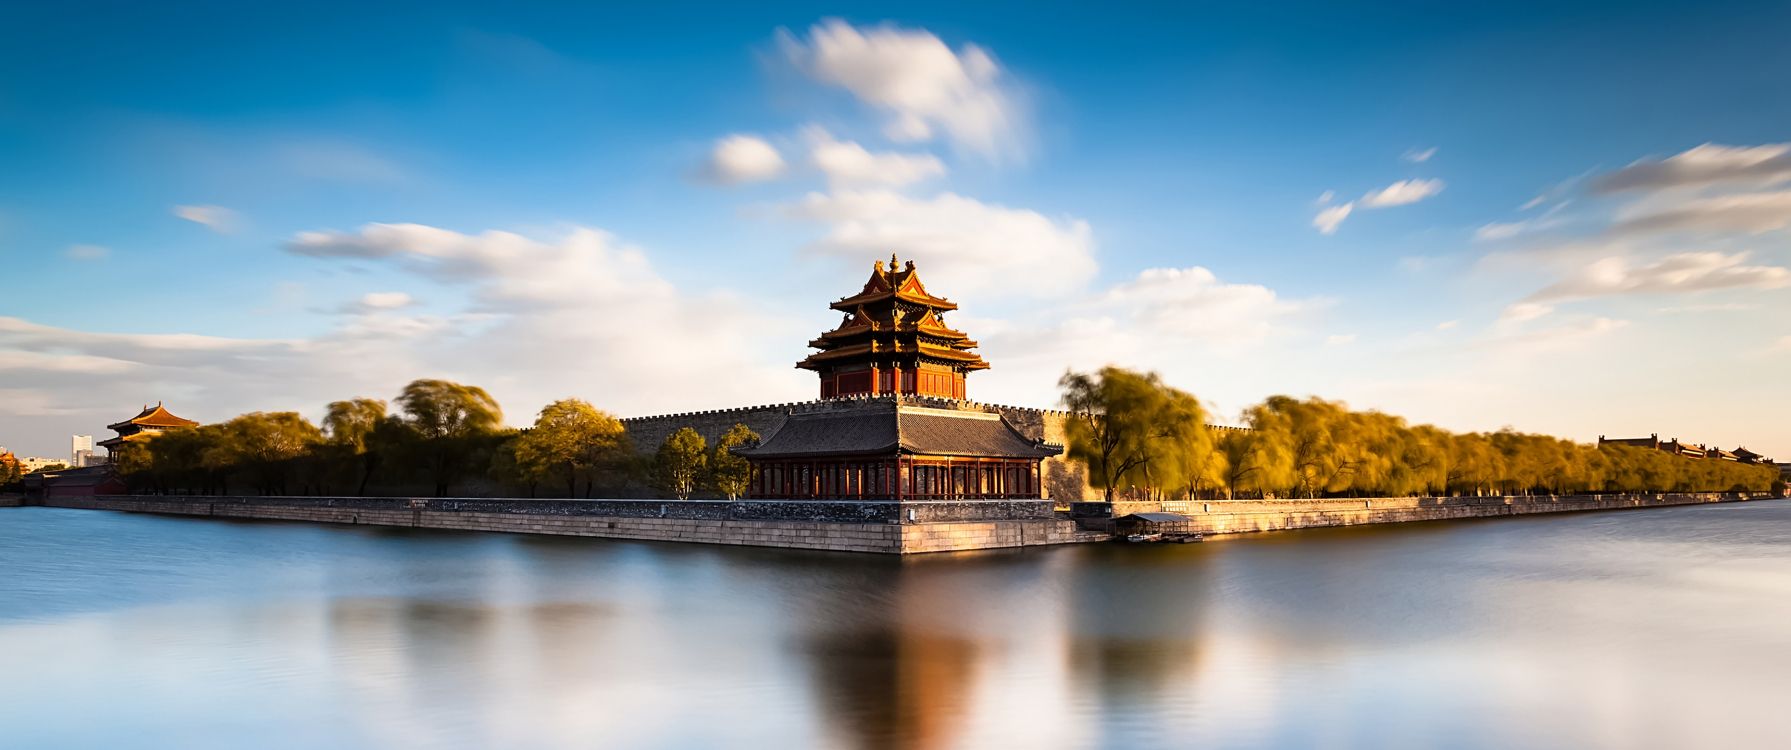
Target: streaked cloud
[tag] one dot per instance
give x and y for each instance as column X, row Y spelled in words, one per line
column 1402, row 193
column 1419, row 155
column 337, row 161
column 1703, row 166
column 215, row 218
column 87, row 252
column 1327, row 219
column 1745, row 213
column 1678, row 273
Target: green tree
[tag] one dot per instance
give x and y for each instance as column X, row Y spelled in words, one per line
column 451, row 423
column 729, row 474
column 679, row 463
column 573, row 438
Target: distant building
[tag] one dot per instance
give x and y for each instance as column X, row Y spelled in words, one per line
column 1746, row 456
column 80, row 450
column 1653, row 442
column 37, row 463
column 151, row 420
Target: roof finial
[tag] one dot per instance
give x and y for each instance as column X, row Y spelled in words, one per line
column 892, row 262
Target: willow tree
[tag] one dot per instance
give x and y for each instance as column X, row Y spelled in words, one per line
column 1315, row 435
column 730, row 474
column 354, row 428
column 267, row 445
column 680, row 462
column 1187, row 459
column 449, row 421
column 1131, row 430
column 1254, row 463
column 573, row 439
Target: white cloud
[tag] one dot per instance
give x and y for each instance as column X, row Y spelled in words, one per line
column 918, row 80
column 1340, row 339
column 1448, row 325
column 846, row 163
column 739, row 159
column 1325, row 198
column 1419, row 156
column 964, row 244
column 87, row 252
column 215, row 218
column 1180, row 303
column 1180, row 321
column 540, row 318
column 1327, row 220
column 1707, row 165
column 1402, row 193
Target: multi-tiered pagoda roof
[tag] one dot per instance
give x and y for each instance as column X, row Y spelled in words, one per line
column 893, row 339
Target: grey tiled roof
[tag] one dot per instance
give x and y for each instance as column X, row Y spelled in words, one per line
column 885, row 429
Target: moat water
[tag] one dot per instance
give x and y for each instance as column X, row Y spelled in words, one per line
column 1664, row 628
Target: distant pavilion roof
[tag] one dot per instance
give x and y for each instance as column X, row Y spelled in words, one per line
column 154, row 416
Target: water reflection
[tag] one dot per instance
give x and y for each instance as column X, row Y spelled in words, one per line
column 1659, row 628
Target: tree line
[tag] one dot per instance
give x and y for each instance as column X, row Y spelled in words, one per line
column 440, row 435
column 1140, row 437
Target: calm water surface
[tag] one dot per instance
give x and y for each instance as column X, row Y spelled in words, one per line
column 1666, row 628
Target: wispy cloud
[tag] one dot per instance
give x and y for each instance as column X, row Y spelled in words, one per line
column 1419, row 155
column 215, row 218
column 1328, row 219
column 87, row 252
column 1404, row 192
column 1707, row 165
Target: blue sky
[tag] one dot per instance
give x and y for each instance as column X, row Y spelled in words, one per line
column 1563, row 219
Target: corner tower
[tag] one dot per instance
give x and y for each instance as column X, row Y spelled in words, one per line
column 893, row 340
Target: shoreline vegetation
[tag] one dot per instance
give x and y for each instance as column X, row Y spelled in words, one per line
column 1137, row 437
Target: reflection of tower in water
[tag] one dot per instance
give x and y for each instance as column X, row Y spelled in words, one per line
column 894, row 672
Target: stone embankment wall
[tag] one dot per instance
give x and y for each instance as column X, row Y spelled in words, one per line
column 1233, row 517
column 841, row 526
